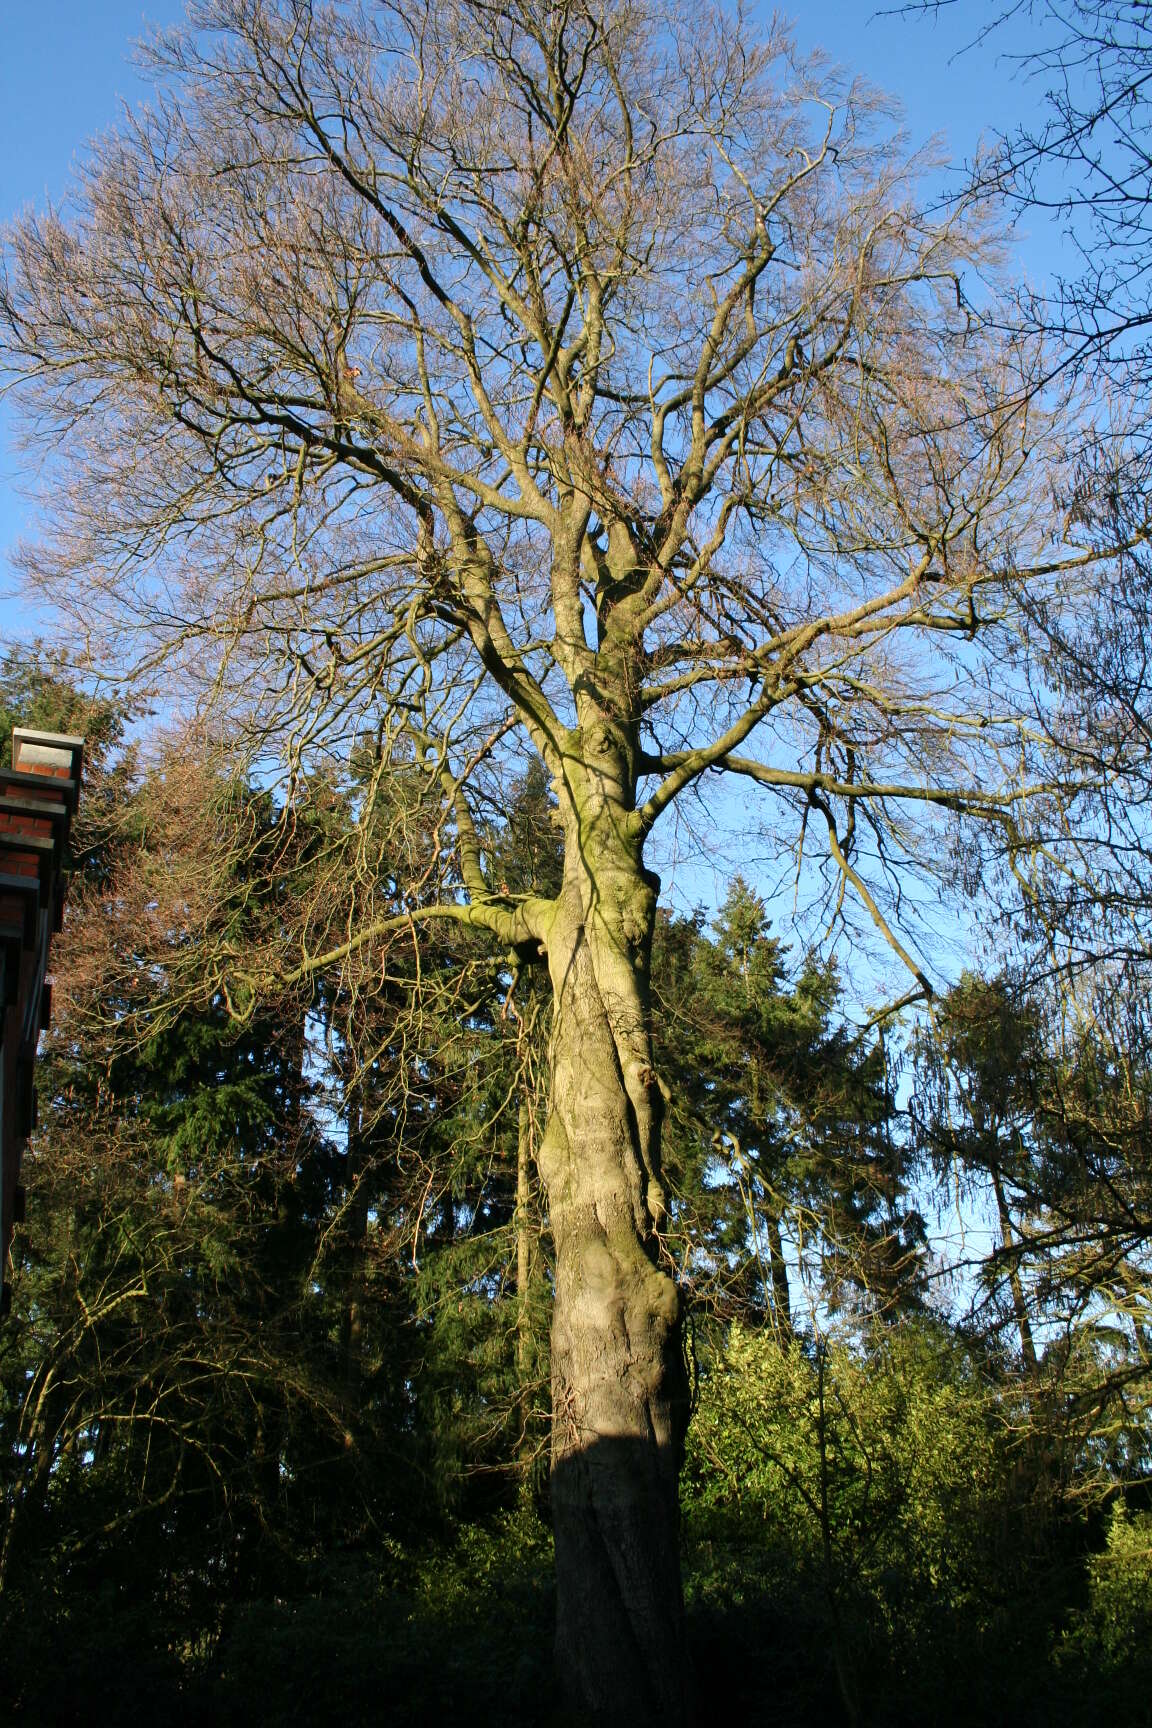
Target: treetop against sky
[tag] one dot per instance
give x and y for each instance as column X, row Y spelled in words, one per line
column 67, row 71
column 66, row 83
column 924, row 65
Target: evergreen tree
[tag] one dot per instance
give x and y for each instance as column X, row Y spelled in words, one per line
column 786, row 1164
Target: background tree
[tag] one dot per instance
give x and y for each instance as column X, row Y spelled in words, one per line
column 975, row 1109
column 229, row 1359
column 781, row 1151
column 1088, row 163
column 1037, row 1107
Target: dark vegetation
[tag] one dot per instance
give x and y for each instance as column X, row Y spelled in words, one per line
column 274, row 1393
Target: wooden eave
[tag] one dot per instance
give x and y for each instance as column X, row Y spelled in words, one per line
column 38, row 798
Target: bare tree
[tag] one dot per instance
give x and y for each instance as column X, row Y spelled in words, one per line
column 1086, row 162
column 580, row 372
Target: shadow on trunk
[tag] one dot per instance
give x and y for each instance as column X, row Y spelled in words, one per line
column 621, row 1655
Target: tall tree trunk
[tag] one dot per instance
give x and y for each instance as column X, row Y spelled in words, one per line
column 523, row 1281
column 619, row 1386
column 1015, row 1282
column 357, row 1237
column 781, row 1299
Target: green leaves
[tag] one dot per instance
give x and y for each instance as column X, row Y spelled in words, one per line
column 1112, row 1634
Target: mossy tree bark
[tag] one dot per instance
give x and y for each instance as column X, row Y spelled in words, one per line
column 619, row 1389
column 620, row 1393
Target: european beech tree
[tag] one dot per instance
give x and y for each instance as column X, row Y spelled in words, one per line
column 570, row 380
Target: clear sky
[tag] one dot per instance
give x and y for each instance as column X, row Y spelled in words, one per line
column 66, row 71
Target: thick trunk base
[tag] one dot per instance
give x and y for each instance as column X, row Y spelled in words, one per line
column 619, row 1385
column 620, row 1613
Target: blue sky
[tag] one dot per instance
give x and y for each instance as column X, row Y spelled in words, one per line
column 66, row 71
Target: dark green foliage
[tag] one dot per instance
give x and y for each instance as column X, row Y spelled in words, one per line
column 780, row 1139
column 274, row 1397
column 37, row 691
column 457, row 1632
column 1106, row 1650
column 870, row 1490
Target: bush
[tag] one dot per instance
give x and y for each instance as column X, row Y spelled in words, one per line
column 1107, row 1648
